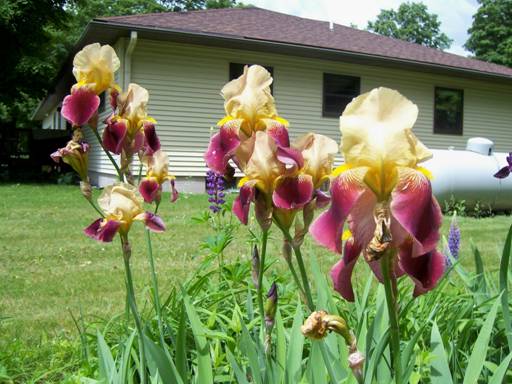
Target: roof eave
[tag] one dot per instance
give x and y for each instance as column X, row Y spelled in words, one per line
column 248, row 43
column 111, row 31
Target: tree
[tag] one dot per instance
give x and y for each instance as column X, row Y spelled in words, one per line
column 490, row 36
column 412, row 22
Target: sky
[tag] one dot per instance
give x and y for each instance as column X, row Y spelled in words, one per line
column 455, row 15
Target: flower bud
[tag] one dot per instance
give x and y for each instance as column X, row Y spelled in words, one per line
column 271, row 307
column 86, row 189
column 255, row 271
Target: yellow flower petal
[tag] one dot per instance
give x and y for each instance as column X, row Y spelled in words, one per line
column 249, row 98
column 377, row 132
column 95, row 65
column 318, row 152
column 342, row 168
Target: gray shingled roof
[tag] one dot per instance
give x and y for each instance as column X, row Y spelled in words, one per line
column 261, row 24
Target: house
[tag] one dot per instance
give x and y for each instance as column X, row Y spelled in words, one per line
column 185, row 58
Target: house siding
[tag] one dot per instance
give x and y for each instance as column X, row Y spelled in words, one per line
column 184, row 82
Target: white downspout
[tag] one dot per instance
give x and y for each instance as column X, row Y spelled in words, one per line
column 128, row 59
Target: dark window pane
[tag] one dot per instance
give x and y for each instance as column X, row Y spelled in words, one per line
column 339, row 90
column 103, row 102
column 448, row 111
column 236, row 70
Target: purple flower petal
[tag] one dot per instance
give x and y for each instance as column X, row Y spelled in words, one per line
column 417, row 211
column 151, row 140
column 80, row 106
column 341, row 273
column 242, row 203
column 293, row 192
column 280, row 134
column 149, row 189
column 114, row 135
column 154, row 222
column 102, row 230
column 424, row 270
column 503, row 172
column 174, row 191
column 345, row 192
column 221, row 148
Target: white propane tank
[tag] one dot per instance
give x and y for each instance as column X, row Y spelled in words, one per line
column 468, row 175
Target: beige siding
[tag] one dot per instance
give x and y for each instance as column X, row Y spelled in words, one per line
column 184, row 83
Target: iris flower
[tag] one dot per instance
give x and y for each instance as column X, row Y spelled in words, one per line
column 383, row 194
column 130, row 129
column 76, row 154
column 505, row 171
column 93, row 67
column 249, row 107
column 122, row 205
column 158, row 173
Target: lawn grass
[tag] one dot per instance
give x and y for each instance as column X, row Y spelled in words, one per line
column 49, row 269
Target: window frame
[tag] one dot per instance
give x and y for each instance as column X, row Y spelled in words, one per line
column 331, row 114
column 458, row 131
column 269, row 68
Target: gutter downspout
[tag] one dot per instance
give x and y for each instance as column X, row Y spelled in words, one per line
column 128, row 59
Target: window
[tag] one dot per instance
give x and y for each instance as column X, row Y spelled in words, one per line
column 103, row 102
column 339, row 90
column 236, row 70
column 448, row 111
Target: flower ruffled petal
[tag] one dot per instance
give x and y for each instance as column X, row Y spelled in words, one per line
column 341, row 273
column 346, row 189
column 376, row 130
column 293, row 192
column 222, row 146
column 318, row 152
column 80, row 106
column 102, row 230
column 114, row 135
column 149, row 189
column 249, row 98
column 154, row 222
column 424, row 270
column 503, row 172
column 151, row 140
column 279, row 133
column 416, row 210
column 242, row 203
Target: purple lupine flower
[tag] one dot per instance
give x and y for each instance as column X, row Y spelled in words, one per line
column 505, row 171
column 215, row 190
column 453, row 240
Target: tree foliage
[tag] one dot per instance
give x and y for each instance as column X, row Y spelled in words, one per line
column 490, row 36
column 411, row 22
column 38, row 34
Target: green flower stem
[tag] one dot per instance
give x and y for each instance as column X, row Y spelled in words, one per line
column 389, row 278
column 118, row 170
column 264, row 240
column 288, row 260
column 156, row 295
column 305, row 281
column 133, row 305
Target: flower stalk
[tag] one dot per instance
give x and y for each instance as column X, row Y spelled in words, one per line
column 390, row 287
column 264, row 241
column 127, row 252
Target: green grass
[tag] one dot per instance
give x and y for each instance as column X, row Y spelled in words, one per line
column 48, row 268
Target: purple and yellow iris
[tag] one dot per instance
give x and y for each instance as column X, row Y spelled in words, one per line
column 93, row 67
column 129, row 129
column 76, row 154
column 382, row 194
column 122, row 205
column 281, row 177
column 157, row 174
